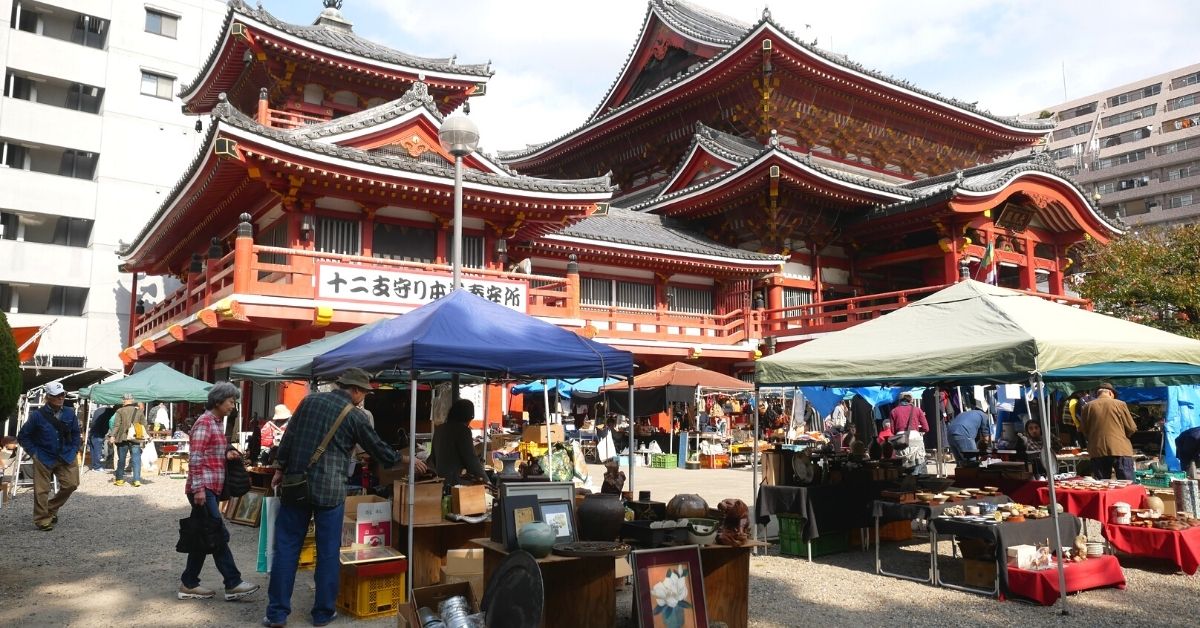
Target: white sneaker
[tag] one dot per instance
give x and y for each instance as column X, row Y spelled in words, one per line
column 240, row 591
column 194, row 593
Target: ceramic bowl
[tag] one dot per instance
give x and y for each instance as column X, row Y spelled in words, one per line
column 702, row 531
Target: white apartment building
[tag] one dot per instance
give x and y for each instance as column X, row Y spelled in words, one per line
column 1136, row 147
column 91, row 138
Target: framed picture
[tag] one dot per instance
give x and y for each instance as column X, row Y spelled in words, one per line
column 560, row 515
column 249, row 509
column 668, row 588
column 355, row 555
column 230, row 506
column 544, row 491
column 518, row 511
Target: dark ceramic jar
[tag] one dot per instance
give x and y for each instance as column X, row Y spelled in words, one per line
column 600, row 517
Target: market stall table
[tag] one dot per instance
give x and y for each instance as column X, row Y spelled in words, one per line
column 884, row 510
column 824, row 507
column 432, row 541
column 1021, row 491
column 1042, row 586
column 1092, row 504
column 577, row 591
column 1002, row 536
column 1181, row 547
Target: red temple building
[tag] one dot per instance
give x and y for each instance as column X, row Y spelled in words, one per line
column 737, row 190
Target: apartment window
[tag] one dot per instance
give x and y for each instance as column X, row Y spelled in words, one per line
column 61, row 24
column 402, row 242
column 1108, row 187
column 1183, row 200
column 54, row 92
column 690, row 300
column 66, row 301
column 1181, row 145
column 1183, row 101
column 1184, row 81
column 1178, row 124
column 78, row 164
column 1082, row 128
column 1081, row 110
column 1124, row 158
column 1136, row 94
column 90, row 31
column 1067, row 151
column 338, row 235
column 1136, row 182
column 161, row 23
column 1122, row 138
column 1128, row 116
column 616, row 293
column 157, row 85
column 1189, row 170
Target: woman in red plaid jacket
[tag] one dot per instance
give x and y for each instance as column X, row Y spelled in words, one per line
column 206, row 481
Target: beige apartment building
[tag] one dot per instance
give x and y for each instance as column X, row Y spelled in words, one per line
column 1136, row 148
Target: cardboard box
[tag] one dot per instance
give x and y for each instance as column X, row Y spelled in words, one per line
column 465, row 560
column 427, row 502
column 1021, row 556
column 430, row 597
column 385, row 534
column 1168, row 498
column 474, row 579
column 540, row 433
column 979, row 573
column 468, row 500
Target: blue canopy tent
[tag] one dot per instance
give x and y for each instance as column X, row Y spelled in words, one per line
column 464, row 333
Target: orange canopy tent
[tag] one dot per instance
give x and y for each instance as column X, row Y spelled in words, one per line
column 683, row 375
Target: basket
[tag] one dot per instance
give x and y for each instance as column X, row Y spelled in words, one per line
column 664, row 461
column 372, row 590
column 308, row 554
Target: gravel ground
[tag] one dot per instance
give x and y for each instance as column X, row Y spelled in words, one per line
column 111, row 561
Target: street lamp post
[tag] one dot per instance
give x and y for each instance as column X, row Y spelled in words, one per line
column 459, row 136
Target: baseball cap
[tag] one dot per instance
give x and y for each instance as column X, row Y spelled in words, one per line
column 55, row 389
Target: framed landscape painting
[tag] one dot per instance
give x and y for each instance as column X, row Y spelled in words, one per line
column 668, row 586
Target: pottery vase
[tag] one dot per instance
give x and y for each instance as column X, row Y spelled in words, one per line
column 600, row 517
column 537, row 538
column 1155, row 503
column 686, row 506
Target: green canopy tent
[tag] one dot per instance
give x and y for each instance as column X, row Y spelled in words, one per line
column 975, row 333
column 294, row 364
column 158, row 382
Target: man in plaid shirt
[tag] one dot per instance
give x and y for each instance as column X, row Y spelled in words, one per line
column 327, row 491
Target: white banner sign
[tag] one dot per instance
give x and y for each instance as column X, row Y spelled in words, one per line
column 374, row 285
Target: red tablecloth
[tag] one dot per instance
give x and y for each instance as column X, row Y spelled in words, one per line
column 1042, row 586
column 1181, row 547
column 1093, row 504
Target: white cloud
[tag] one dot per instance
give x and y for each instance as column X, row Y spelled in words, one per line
column 555, row 60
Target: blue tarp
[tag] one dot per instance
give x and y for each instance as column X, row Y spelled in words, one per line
column 565, row 387
column 463, row 333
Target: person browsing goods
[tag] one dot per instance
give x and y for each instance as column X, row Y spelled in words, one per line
column 51, row 436
column 1107, row 424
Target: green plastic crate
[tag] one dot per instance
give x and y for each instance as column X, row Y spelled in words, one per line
column 664, row 461
column 1159, row 480
column 791, row 539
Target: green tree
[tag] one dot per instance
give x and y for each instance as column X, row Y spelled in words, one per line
column 10, row 370
column 1151, row 278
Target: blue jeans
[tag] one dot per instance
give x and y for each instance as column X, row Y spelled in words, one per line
column 223, row 558
column 1103, row 467
column 291, row 524
column 963, row 447
column 129, row 449
column 97, row 447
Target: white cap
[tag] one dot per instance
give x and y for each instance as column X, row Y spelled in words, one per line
column 55, row 389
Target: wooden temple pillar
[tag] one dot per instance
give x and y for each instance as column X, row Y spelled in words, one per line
column 368, row 230
column 1056, row 272
column 774, row 299
column 661, row 298
column 1028, row 267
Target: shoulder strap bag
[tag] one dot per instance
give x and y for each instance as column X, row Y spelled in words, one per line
column 900, row 440
column 293, row 491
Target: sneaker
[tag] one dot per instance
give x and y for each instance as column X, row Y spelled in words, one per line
column 45, row 527
column 136, row 484
column 266, row 623
column 53, row 520
column 194, row 593
column 240, row 591
column 327, row 621
column 119, row 483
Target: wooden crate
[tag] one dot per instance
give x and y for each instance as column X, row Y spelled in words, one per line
column 427, row 506
column 714, row 461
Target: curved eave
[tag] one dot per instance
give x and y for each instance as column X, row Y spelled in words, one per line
column 1079, row 209
column 900, row 95
column 699, row 150
column 224, row 64
column 821, row 179
column 565, row 245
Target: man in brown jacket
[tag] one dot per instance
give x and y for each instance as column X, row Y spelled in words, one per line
column 1107, row 424
column 129, row 443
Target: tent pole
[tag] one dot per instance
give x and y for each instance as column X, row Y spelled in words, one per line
column 1049, row 462
column 549, row 439
column 754, row 471
column 412, row 473
column 486, row 388
column 937, row 418
column 632, row 437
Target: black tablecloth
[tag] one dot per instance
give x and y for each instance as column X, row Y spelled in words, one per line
column 828, row 508
column 894, row 511
column 1005, row 535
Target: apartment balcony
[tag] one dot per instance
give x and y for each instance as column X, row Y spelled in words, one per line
column 36, row 192
column 39, row 123
column 52, row 264
column 49, row 56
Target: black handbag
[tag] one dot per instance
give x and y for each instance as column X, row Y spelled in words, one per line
column 900, row 440
column 199, row 533
column 237, row 480
column 293, row 490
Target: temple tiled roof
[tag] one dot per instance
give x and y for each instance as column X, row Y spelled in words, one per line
column 416, row 97
column 341, row 38
column 699, row 22
column 835, row 59
column 622, row 226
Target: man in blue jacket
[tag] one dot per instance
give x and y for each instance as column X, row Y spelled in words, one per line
column 51, row 436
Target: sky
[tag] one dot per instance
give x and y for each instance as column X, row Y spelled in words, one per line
column 554, row 60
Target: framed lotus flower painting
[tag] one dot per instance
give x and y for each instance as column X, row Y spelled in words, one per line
column 669, row 587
